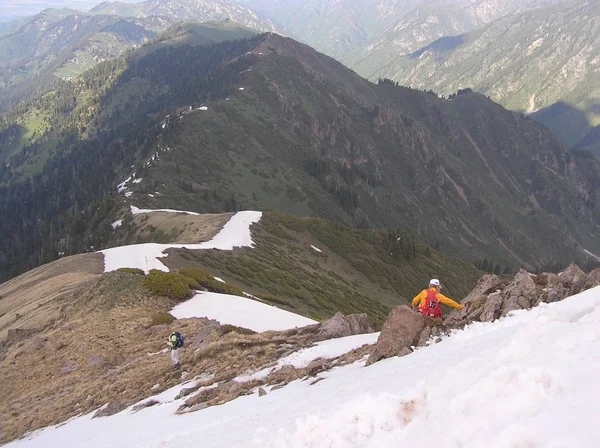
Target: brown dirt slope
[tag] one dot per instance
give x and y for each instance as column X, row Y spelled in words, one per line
column 28, row 301
column 166, row 227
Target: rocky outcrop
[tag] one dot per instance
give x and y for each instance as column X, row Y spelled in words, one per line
column 144, row 405
column 340, row 326
column 209, row 332
column 112, row 408
column 491, row 299
column 400, row 332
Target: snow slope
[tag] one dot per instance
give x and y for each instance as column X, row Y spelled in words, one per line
column 236, row 233
column 239, row 311
column 528, row 381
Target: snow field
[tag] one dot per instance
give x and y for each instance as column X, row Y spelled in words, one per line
column 528, row 381
column 235, row 233
column 239, row 311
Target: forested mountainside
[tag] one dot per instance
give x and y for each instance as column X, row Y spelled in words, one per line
column 543, row 62
column 268, row 123
column 36, row 52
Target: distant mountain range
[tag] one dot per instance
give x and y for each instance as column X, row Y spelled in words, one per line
column 542, row 62
column 65, row 43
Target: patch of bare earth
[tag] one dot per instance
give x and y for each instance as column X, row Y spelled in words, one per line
column 182, row 228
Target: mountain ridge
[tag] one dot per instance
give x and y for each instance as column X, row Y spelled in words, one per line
column 283, row 127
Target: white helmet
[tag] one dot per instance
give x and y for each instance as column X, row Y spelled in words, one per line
column 434, row 282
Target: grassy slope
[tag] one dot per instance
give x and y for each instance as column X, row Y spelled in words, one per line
column 353, row 273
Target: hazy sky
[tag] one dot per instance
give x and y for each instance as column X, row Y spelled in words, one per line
column 10, row 8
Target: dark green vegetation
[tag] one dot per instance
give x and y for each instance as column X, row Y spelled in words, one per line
column 58, row 44
column 543, row 61
column 58, row 193
column 207, row 282
column 306, row 136
column 173, row 285
column 180, row 285
column 365, row 271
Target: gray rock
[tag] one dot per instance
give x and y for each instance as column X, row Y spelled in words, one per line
column 400, row 331
column 144, row 405
column 336, row 327
column 287, row 374
column 593, row 279
column 573, row 279
column 112, row 408
column 261, row 392
column 210, row 332
column 359, row 324
column 424, row 337
column 492, row 308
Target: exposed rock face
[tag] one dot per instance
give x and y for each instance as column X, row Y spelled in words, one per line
column 524, row 292
column 261, row 392
column 400, row 332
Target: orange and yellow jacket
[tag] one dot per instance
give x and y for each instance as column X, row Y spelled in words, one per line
column 420, row 300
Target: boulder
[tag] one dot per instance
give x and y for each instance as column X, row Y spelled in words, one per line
column 474, row 302
column 486, row 285
column 261, row 392
column 593, row 279
column 424, row 337
column 316, row 366
column 573, row 279
column 359, row 324
column 144, row 405
column 400, row 332
column 112, row 408
column 510, row 304
column 492, row 308
column 286, row 374
column 209, row 332
column 340, row 326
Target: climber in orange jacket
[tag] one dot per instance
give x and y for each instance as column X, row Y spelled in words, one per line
column 428, row 301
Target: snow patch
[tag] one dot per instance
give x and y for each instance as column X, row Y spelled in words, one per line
column 316, row 249
column 236, row 233
column 219, row 279
column 139, row 211
column 239, row 311
column 116, row 224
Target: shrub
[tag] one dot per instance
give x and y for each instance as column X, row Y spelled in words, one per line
column 205, row 280
column 135, row 271
column 162, row 319
column 170, row 284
